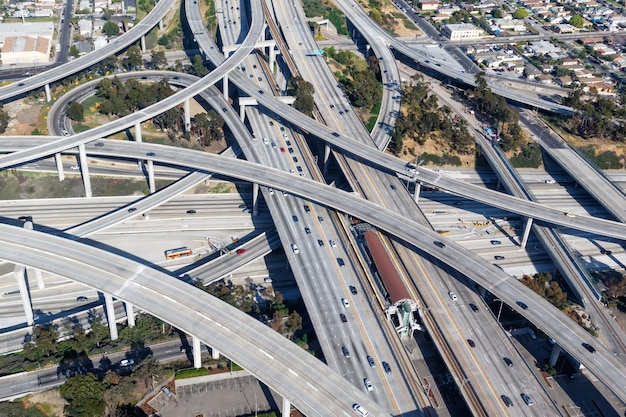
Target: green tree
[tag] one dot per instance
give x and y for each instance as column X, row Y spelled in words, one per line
column 520, row 13
column 293, row 324
column 158, row 59
column 74, row 53
column 577, row 21
column 133, row 57
column 43, row 343
column 4, row 119
column 303, row 91
column 198, row 67
column 85, row 396
column 497, row 13
column 76, row 111
column 110, row 29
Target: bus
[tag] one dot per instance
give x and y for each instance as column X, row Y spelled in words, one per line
column 178, row 252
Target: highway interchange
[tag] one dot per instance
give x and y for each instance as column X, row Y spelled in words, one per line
column 482, row 272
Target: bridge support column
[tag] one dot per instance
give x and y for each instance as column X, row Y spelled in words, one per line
column 272, row 59
column 225, row 86
column 151, row 181
column 242, row 112
column 326, row 156
column 130, row 314
column 286, row 410
column 529, row 223
column 160, row 24
column 197, row 353
column 22, row 285
column 108, row 304
column 554, row 356
column 255, row 199
column 47, row 90
column 416, row 192
column 143, row 44
column 215, row 354
column 187, row 115
column 59, row 162
column 84, row 169
column 138, row 137
column 28, row 225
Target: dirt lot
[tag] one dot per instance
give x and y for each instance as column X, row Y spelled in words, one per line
column 24, row 118
column 49, row 402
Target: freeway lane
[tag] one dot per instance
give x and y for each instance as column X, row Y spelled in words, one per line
column 308, row 384
column 603, row 364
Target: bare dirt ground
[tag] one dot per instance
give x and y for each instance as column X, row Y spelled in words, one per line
column 397, row 27
column 24, row 117
column 49, row 402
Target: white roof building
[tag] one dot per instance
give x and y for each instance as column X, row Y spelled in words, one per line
column 461, row 31
column 25, row 50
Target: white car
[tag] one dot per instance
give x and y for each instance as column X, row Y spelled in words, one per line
column 266, row 141
column 345, row 302
column 550, row 181
column 360, row 410
column 74, row 167
column 368, row 384
column 332, row 243
column 452, row 295
column 295, row 249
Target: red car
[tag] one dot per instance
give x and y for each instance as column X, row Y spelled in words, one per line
column 241, row 251
column 282, row 150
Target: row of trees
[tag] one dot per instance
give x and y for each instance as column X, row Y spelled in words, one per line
column 422, row 116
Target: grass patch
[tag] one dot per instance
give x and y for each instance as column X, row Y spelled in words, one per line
column 325, row 9
column 605, row 160
column 445, row 159
column 528, row 157
column 191, row 373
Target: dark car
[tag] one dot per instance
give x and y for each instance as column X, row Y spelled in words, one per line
column 320, row 242
column 521, row 304
column 307, row 208
column 341, row 262
column 353, row 290
column 99, row 144
column 307, row 230
column 130, row 210
column 81, row 299
column 343, row 318
column 495, row 242
column 507, row 361
column 393, row 187
column 473, row 307
column 192, row 211
column 345, row 351
column 589, row 347
column 498, row 257
column 335, row 134
column 386, row 367
column 295, row 218
column 606, row 252
column 150, row 154
column 439, row 244
column 507, row 401
column 471, row 343
column 25, row 218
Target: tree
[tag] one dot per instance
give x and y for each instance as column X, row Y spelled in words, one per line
column 198, row 67
column 158, row 59
column 85, row 396
column 497, row 13
column 520, row 14
column 577, row 21
column 74, row 53
column 133, row 57
column 110, row 29
column 76, row 111
column 43, row 343
column 4, row 119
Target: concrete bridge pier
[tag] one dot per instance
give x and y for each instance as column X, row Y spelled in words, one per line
column 84, row 169
column 28, row 225
column 326, row 157
column 187, row 115
column 59, row 162
column 47, row 90
column 22, row 285
column 143, row 44
column 416, row 193
column 160, row 24
column 286, row 410
column 554, row 356
column 130, row 314
column 197, row 353
column 138, row 138
column 225, row 86
column 242, row 112
column 529, row 224
column 108, row 304
column 151, row 181
column 215, row 354
column 255, row 199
